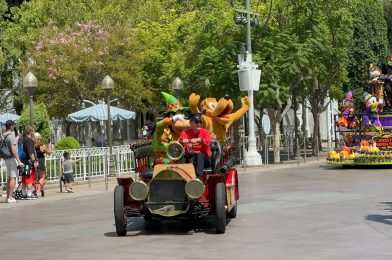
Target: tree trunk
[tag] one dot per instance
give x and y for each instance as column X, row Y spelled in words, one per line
column 316, row 130
column 277, row 141
column 67, row 128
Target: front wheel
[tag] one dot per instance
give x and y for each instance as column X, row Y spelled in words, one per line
column 119, row 216
column 220, row 211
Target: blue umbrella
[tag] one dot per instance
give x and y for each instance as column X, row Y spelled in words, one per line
column 99, row 112
column 8, row 116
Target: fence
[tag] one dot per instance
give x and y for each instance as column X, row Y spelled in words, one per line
column 93, row 164
column 288, row 147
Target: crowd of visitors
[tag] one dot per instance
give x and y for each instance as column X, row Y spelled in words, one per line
column 25, row 157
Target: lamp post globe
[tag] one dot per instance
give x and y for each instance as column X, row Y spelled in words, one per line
column 108, row 85
column 30, row 82
column 177, row 85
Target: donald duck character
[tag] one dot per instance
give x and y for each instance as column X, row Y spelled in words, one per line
column 168, row 129
column 372, row 108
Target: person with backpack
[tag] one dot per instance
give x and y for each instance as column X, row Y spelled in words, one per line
column 28, row 156
column 9, row 153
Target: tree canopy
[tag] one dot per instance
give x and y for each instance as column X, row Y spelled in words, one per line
column 70, row 63
column 41, row 121
column 368, row 44
column 313, row 49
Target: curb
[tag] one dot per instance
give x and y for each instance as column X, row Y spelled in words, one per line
column 282, row 165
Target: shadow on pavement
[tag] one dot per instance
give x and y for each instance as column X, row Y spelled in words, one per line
column 139, row 226
column 385, row 219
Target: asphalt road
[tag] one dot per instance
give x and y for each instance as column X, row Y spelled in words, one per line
column 290, row 212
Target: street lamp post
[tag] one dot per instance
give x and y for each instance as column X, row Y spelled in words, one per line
column 30, row 82
column 177, row 85
column 107, row 86
column 249, row 77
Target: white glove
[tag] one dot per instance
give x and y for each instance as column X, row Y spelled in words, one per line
column 178, row 117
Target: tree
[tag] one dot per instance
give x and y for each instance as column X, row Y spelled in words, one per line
column 387, row 6
column 41, row 120
column 22, row 30
column 368, row 45
column 70, row 62
column 196, row 41
column 27, row 18
column 303, row 50
column 325, row 30
column 281, row 61
column 3, row 8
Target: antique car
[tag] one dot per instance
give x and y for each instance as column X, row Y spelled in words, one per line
column 173, row 191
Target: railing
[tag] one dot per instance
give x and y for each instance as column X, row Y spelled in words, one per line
column 93, row 164
column 289, row 146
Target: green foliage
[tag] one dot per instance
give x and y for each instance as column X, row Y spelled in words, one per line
column 23, row 31
column 280, row 65
column 191, row 41
column 369, row 43
column 3, row 8
column 2, row 60
column 67, row 143
column 42, row 21
column 70, row 63
column 41, row 120
column 387, row 6
column 320, row 44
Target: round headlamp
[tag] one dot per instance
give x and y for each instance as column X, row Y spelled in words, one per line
column 194, row 188
column 138, row 190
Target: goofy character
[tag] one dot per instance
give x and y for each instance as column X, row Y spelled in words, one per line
column 167, row 130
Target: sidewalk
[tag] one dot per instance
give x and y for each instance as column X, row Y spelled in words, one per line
column 284, row 164
column 52, row 192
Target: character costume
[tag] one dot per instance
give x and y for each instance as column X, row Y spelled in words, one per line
column 372, row 108
column 166, row 130
column 347, row 116
column 217, row 115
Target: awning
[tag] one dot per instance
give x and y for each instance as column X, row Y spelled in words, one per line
column 99, row 112
column 8, row 116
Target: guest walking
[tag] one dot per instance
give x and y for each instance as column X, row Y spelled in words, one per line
column 41, row 150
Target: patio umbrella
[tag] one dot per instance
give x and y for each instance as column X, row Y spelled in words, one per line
column 8, row 116
column 99, row 112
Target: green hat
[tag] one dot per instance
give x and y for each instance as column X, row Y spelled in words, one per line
column 172, row 104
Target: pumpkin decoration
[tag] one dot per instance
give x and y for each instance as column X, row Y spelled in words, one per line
column 365, row 147
column 364, row 143
column 343, row 155
column 347, row 149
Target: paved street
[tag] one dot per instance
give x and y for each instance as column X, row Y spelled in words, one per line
column 285, row 212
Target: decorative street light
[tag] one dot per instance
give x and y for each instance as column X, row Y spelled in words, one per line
column 177, row 85
column 249, row 79
column 107, row 86
column 30, row 82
